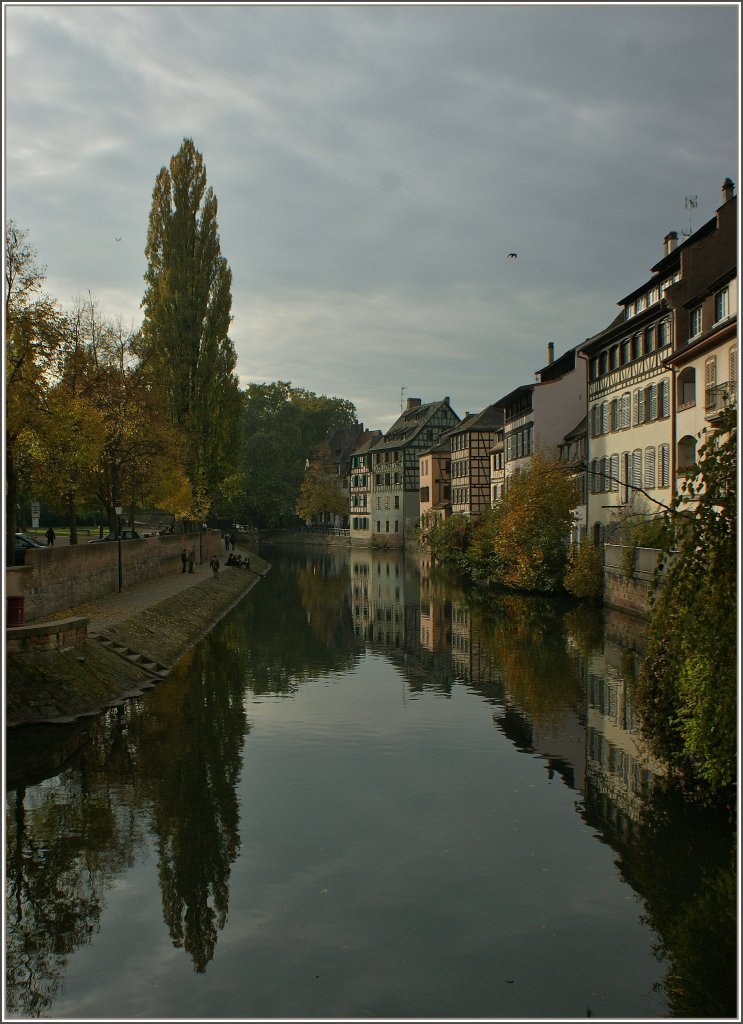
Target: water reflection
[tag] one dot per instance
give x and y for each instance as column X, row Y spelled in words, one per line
column 163, row 773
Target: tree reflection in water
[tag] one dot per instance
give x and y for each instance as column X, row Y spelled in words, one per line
column 165, row 769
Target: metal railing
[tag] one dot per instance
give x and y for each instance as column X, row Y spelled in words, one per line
column 719, row 398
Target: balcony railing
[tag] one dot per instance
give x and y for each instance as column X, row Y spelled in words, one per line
column 719, row 398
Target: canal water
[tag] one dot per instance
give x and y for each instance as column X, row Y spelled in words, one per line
column 364, row 796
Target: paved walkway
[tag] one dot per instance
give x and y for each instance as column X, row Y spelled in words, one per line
column 138, row 597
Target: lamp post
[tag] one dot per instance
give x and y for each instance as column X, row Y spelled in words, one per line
column 118, row 509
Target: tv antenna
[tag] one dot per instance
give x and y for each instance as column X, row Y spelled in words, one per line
column 401, row 394
column 690, row 202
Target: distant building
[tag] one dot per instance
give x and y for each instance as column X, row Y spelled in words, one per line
column 471, row 444
column 394, row 496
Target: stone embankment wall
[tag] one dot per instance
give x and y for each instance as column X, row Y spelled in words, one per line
column 624, row 591
column 61, row 684
column 54, row 579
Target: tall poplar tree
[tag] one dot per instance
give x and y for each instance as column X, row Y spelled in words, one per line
column 187, row 315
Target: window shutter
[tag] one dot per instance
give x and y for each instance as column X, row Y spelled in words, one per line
column 636, row 418
column 649, row 468
column 626, row 468
column 626, row 411
column 637, row 468
column 614, row 473
column 663, row 402
column 664, row 452
column 653, row 397
column 733, row 365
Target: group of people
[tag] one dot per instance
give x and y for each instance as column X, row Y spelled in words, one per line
column 239, row 561
column 229, row 541
column 188, row 558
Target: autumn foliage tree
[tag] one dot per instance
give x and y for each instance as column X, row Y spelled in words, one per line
column 319, row 492
column 522, row 542
column 34, row 329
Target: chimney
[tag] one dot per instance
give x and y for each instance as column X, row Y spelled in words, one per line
column 413, row 403
column 728, row 188
column 669, row 242
column 550, row 353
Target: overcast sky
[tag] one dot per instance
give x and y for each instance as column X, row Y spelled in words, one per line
column 374, row 165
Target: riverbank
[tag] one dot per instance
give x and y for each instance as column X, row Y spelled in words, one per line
column 133, row 641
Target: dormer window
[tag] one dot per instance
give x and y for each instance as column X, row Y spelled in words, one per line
column 695, row 322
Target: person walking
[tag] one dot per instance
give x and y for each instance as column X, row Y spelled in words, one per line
column 214, row 563
column 227, row 542
column 232, row 541
column 184, row 559
column 191, row 559
column 50, row 536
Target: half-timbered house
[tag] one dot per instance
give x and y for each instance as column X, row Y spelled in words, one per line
column 471, row 442
column 394, row 470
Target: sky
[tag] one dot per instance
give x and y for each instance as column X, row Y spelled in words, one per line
column 374, row 166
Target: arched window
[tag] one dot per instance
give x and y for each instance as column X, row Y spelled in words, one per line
column 688, row 386
column 686, row 453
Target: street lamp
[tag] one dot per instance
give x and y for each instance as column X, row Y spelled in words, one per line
column 119, row 509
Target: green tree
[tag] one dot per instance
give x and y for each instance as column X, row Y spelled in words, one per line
column 34, row 328
column 688, row 684
column 187, row 314
column 282, row 427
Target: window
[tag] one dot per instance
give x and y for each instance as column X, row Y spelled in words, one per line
column 721, row 305
column 695, row 322
column 649, row 340
column 397, row 526
column 710, row 381
column 379, row 503
column 686, row 453
column 625, row 351
column 615, row 414
column 595, row 476
column 649, row 468
column 596, row 421
column 387, row 501
column 687, row 386
column 639, row 407
column 603, row 363
column 397, row 501
column 636, row 346
column 664, row 333
column 604, row 417
column 651, row 403
column 605, row 472
column 425, row 494
column 614, row 357
column 664, row 465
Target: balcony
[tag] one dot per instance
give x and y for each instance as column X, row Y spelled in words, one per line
column 719, row 398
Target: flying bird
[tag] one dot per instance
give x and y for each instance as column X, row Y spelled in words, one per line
column 117, row 239
column 512, row 256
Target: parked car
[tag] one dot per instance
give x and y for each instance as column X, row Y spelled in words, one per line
column 22, row 543
column 125, row 535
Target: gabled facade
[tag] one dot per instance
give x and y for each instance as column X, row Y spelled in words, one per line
column 537, row 417
column 471, row 443
column 394, row 497
column 632, row 449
